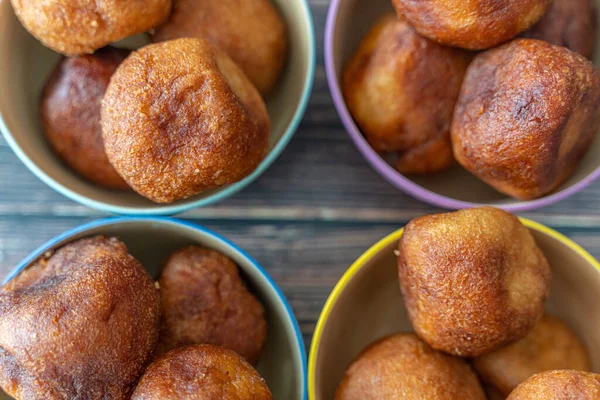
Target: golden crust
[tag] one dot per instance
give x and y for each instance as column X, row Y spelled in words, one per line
column 404, row 367
column 205, row 301
column 527, row 113
column 401, row 90
column 471, row 24
column 252, row 33
column 179, row 118
column 569, row 23
column 201, row 372
column 562, row 384
column 550, row 345
column 473, row 280
column 74, row 27
column 71, row 103
column 80, row 324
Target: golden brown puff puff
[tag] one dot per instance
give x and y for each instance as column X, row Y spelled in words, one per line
column 74, row 27
column 401, row 90
column 550, row 345
column 473, row 280
column 403, row 367
column 81, row 324
column 559, row 385
column 471, row 24
column 527, row 114
column 205, row 301
column 71, row 103
column 179, row 118
column 252, row 33
column 201, row 372
column 569, row 23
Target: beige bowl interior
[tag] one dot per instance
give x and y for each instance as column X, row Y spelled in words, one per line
column 27, row 64
column 151, row 242
column 370, row 306
column 353, row 20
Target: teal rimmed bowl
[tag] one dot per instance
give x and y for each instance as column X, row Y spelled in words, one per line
column 28, row 65
column 151, row 240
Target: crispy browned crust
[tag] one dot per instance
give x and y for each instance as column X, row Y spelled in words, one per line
column 471, row 24
column 401, row 90
column 527, row 114
column 252, row 33
column 569, row 23
column 73, row 27
column 179, row 118
column 82, row 324
column 205, row 301
column 562, row 384
column 201, row 372
column 70, row 107
column 404, row 367
column 550, row 345
column 473, row 280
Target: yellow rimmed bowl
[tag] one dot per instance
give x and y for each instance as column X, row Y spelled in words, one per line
column 366, row 304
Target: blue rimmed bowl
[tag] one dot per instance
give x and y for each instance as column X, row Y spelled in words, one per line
column 28, row 65
column 151, row 240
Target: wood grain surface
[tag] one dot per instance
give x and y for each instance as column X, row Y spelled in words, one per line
column 305, row 220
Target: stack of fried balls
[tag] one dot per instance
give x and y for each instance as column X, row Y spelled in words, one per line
column 474, row 284
column 505, row 88
column 88, row 322
column 172, row 119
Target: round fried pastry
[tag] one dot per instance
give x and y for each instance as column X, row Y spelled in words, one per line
column 472, row 280
column 82, row 323
column 252, row 33
column 201, row 372
column 404, row 367
column 569, row 23
column 71, row 103
column 527, row 114
column 401, row 90
column 471, row 24
column 205, row 301
column 180, row 118
column 74, row 27
column 549, row 346
column 559, row 385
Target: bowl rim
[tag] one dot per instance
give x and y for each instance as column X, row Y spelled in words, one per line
column 373, row 251
column 396, row 178
column 181, row 224
column 221, row 194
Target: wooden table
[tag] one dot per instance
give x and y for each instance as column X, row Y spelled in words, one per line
column 305, row 220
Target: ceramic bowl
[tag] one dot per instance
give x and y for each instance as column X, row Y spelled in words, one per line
column 30, row 64
column 347, row 24
column 151, row 240
column 367, row 305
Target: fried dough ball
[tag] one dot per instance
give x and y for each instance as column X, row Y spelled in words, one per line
column 71, row 103
column 471, row 24
column 527, row 114
column 179, row 118
column 473, row 280
column 205, row 301
column 401, row 90
column 569, row 23
column 404, row 367
column 201, row 372
column 559, row 385
column 550, row 345
column 74, row 27
column 252, row 33
column 82, row 323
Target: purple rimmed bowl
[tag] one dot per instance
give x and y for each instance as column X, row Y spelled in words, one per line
column 348, row 22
